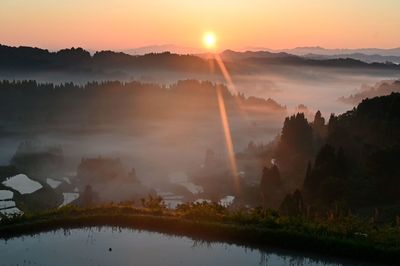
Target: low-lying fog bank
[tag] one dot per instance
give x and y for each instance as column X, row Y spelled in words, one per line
column 156, row 130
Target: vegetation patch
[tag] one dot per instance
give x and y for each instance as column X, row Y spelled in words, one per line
column 347, row 236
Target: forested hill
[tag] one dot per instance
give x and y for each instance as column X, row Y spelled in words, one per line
column 373, row 123
column 352, row 161
column 80, row 60
column 114, row 101
column 359, row 163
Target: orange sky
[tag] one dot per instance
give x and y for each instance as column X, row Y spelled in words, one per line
column 122, row 24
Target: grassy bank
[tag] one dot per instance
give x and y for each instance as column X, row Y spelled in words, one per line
column 347, row 237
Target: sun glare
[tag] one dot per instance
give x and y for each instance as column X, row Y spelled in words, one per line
column 209, row 40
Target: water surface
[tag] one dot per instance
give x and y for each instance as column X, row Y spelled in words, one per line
column 91, row 246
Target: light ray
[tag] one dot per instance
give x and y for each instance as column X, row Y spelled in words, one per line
column 228, row 139
column 222, row 109
column 231, row 85
column 225, row 121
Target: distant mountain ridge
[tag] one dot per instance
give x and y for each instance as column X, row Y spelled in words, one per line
column 231, row 55
column 374, row 58
column 80, row 60
column 368, row 55
column 300, row 51
column 172, row 48
column 284, row 58
column 324, row 51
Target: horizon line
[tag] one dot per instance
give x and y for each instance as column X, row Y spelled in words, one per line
column 201, row 50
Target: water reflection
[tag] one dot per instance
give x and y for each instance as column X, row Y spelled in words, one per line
column 120, row 246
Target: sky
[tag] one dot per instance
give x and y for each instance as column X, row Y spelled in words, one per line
column 125, row 24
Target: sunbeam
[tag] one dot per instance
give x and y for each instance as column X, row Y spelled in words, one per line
column 225, row 120
column 228, row 139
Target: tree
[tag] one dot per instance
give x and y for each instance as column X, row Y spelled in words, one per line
column 271, row 187
column 295, row 148
column 293, row 204
column 296, row 136
column 319, row 130
column 132, row 176
column 87, row 197
column 326, row 180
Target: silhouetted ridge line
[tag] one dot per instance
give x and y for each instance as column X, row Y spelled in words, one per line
column 78, row 60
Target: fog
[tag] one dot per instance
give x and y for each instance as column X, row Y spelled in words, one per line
column 158, row 148
column 319, row 88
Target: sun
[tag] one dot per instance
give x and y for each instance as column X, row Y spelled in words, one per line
column 209, row 40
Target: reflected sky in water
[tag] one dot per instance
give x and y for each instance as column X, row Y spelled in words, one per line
column 91, row 246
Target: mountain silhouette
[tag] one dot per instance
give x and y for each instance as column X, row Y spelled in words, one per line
column 79, row 60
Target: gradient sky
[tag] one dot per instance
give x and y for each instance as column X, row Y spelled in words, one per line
column 122, row 24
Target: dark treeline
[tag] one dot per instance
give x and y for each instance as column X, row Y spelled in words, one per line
column 113, row 101
column 81, row 61
column 349, row 163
